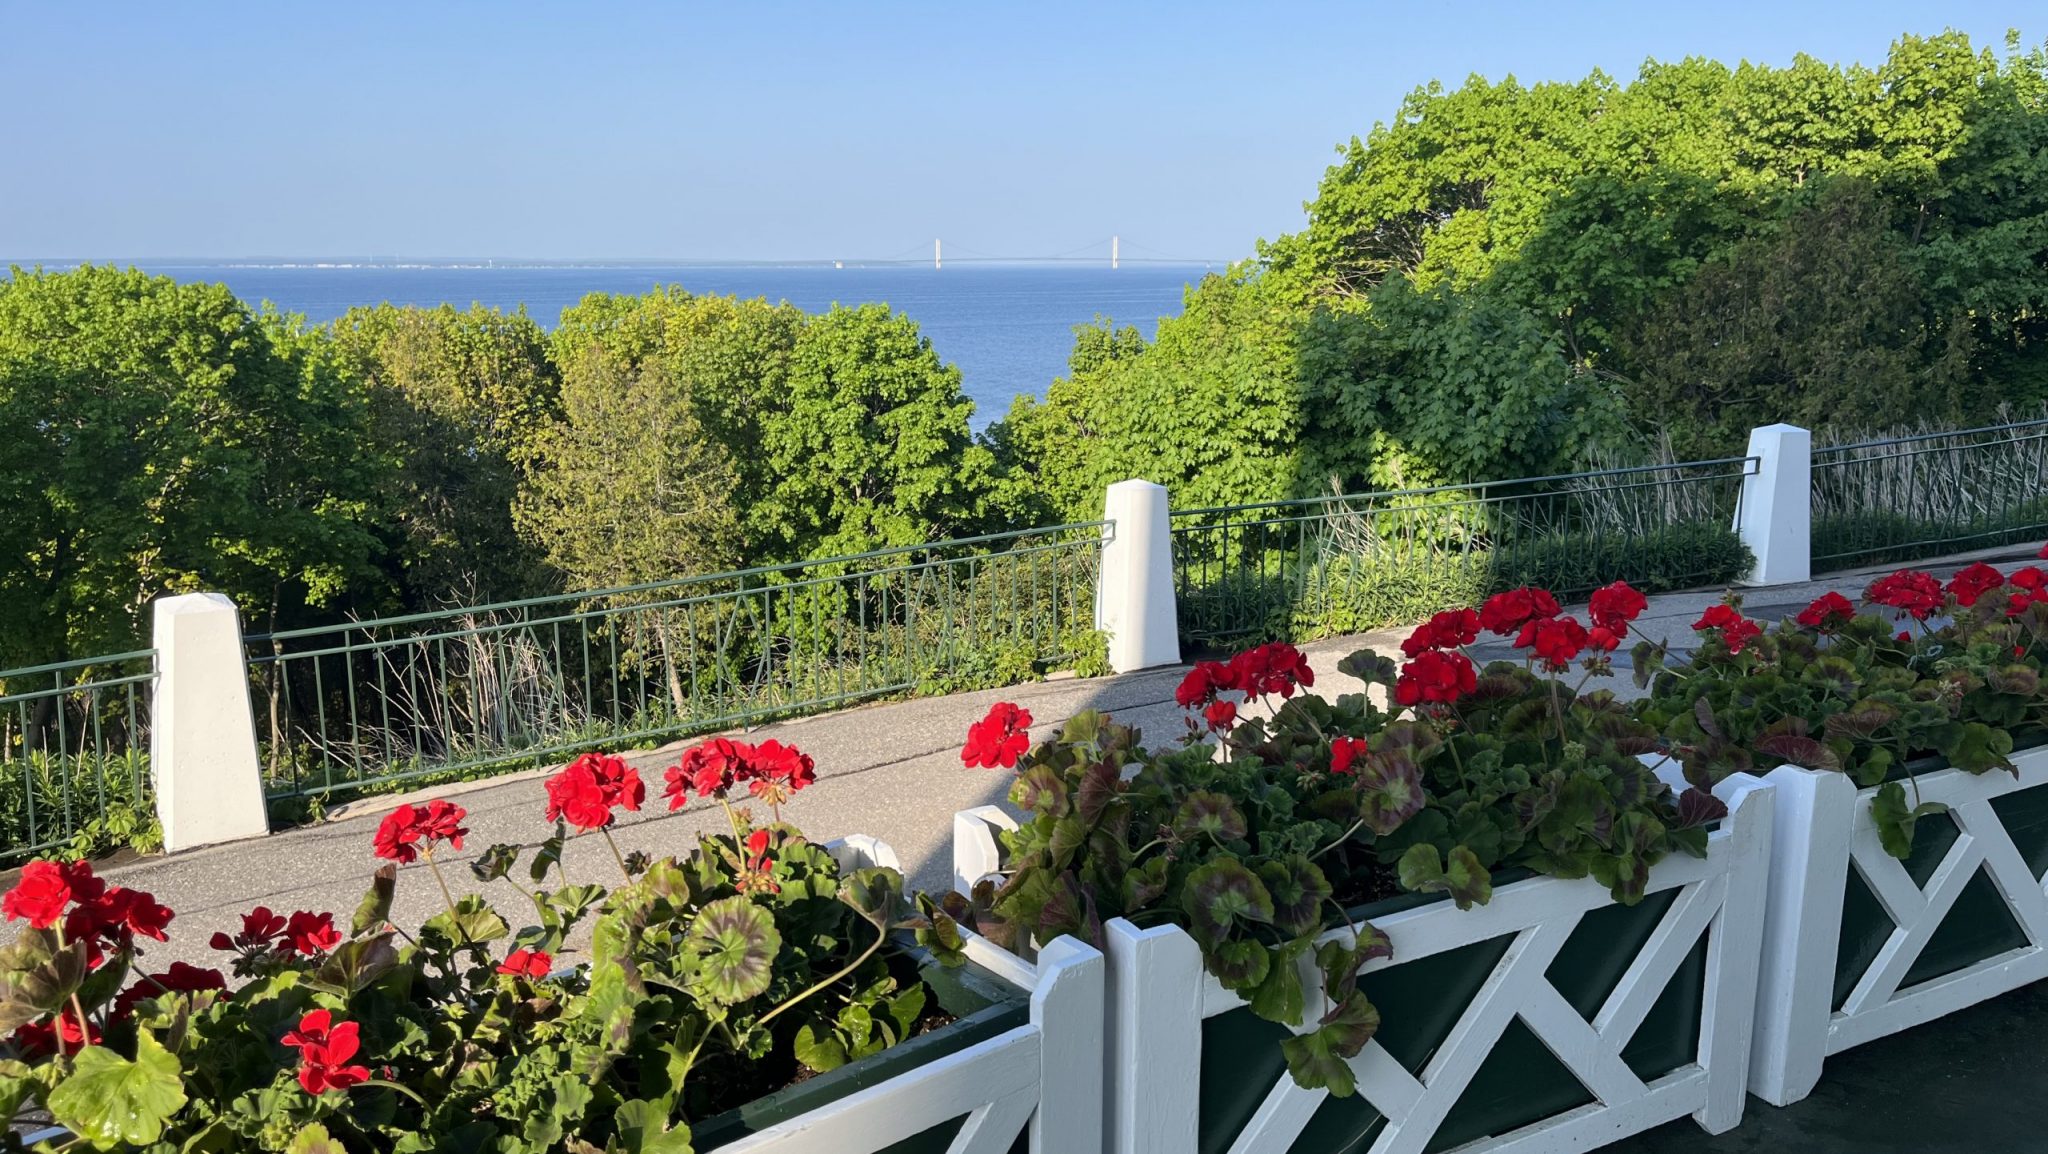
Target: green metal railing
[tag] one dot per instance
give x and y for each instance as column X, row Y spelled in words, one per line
column 1330, row 565
column 1903, row 498
column 366, row 703
column 74, row 741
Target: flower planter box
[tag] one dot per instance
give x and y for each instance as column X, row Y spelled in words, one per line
column 1859, row 945
column 1549, row 1019
column 1023, row 1072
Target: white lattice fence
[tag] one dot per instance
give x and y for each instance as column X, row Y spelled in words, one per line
column 1160, row 1000
column 1972, row 925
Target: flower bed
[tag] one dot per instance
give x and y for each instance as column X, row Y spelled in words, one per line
column 1307, row 947
column 1906, row 875
column 763, row 993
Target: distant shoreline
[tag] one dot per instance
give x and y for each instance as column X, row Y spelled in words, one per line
column 486, row 264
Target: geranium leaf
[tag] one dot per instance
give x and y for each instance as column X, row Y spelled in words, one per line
column 1697, row 807
column 1317, row 1059
column 643, row 1129
column 1040, row 790
column 314, row 1139
column 113, row 1102
column 548, row 854
column 375, row 909
column 1278, row 997
column 1219, row 895
column 875, row 892
column 355, row 965
column 1240, row 964
column 1206, row 811
column 1369, row 667
column 495, row 862
column 736, row 942
column 1389, row 791
column 1800, row 750
column 1299, row 889
column 1101, row 783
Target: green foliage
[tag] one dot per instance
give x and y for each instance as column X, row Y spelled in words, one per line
column 1260, row 843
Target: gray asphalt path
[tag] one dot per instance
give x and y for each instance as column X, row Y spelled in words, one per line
column 891, row 770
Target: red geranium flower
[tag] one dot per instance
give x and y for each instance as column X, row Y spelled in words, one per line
column 758, row 873
column 444, row 823
column 40, row 895
column 1344, row 751
column 1909, row 590
column 1436, row 675
column 1276, row 667
column 1827, row 611
column 998, row 739
column 1203, row 683
column 1446, row 630
column 775, row 772
column 260, row 927
column 398, row 835
column 39, row 1039
column 1973, row 583
column 2031, row 578
column 2043, row 553
column 324, row 1047
column 1504, row 613
column 309, row 934
column 179, row 979
column 772, row 770
column 587, row 790
column 1220, row 715
column 1556, row 642
column 533, row 964
column 1612, row 607
column 1736, row 630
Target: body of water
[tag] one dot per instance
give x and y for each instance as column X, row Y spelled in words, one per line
column 1009, row 328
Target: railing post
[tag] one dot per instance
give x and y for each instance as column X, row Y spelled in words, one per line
column 1776, row 516
column 1134, row 601
column 202, row 740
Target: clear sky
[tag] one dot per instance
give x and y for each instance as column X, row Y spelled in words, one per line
column 769, row 130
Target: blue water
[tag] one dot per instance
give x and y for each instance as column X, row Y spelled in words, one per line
column 1009, row 328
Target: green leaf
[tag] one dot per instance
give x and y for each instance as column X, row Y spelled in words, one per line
column 314, row 1139
column 1240, row 964
column 1464, row 878
column 1317, row 1059
column 643, row 1129
column 1299, row 889
column 1389, row 790
column 548, row 854
column 1219, row 895
column 736, row 942
column 1208, row 812
column 1895, row 822
column 113, row 1102
column 355, row 965
column 819, row 1052
column 375, row 908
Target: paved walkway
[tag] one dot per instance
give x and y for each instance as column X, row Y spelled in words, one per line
column 894, row 771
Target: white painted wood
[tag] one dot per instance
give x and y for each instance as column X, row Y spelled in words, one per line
column 975, row 852
column 1802, row 927
column 1155, row 1038
column 1158, row 995
column 1734, row 952
column 1797, row 1026
column 858, row 851
column 1068, row 1010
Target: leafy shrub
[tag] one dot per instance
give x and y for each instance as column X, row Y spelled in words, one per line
column 1278, row 829
column 713, row 979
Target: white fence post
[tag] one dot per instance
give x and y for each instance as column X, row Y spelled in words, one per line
column 1776, row 516
column 1802, row 923
column 1134, row 600
column 1155, row 1018
column 202, row 740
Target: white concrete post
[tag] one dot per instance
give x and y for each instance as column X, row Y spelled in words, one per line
column 202, row 740
column 1776, row 516
column 1134, row 600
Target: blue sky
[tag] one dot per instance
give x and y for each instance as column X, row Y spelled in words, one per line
column 766, row 130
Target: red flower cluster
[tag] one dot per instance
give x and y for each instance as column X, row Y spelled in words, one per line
column 1345, row 752
column 1910, row 591
column 1220, row 715
column 324, row 1047
column 758, row 872
column 1436, row 675
column 407, row 830
column 1558, row 641
column 1611, row 609
column 587, row 791
column 1827, row 611
column 2032, row 584
column 1737, row 631
column 305, row 932
column 180, row 978
column 771, row 770
column 1276, row 667
column 91, row 911
column 530, row 964
column 1447, row 630
column 998, row 739
column 1973, row 583
column 34, row 1040
column 1504, row 613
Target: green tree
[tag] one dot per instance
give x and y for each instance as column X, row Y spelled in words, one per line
column 457, row 401
column 167, row 439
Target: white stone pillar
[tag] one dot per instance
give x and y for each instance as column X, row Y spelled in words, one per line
column 202, row 739
column 1776, row 516
column 1134, row 600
